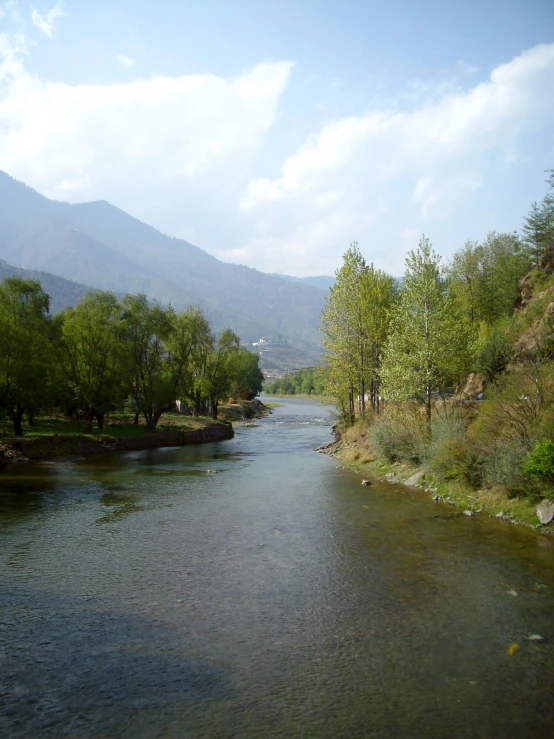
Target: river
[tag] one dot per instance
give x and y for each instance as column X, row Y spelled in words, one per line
column 253, row 589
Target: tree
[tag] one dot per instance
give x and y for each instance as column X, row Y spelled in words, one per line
column 354, row 326
column 484, row 278
column 428, row 342
column 196, row 344
column 25, row 353
column 246, row 376
column 538, row 227
column 145, row 329
column 219, row 369
column 90, row 354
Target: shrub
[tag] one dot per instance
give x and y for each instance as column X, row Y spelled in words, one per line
column 401, row 434
column 449, row 454
column 540, row 461
column 503, row 465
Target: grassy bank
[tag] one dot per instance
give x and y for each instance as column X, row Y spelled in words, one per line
column 355, row 451
column 56, row 436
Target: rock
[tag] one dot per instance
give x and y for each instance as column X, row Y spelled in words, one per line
column 536, row 637
column 475, row 386
column 415, row 478
column 545, row 511
column 500, row 514
column 468, row 513
column 436, row 497
column 366, row 482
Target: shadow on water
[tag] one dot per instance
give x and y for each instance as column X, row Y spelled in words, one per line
column 72, row 667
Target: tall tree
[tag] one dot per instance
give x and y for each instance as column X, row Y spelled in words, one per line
column 25, row 353
column 220, row 370
column 90, row 354
column 354, row 326
column 428, row 341
column 145, row 329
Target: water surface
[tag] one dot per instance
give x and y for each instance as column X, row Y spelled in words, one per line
column 252, row 589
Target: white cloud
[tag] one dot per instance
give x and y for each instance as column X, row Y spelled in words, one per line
column 167, row 149
column 344, row 179
column 125, row 61
column 45, row 23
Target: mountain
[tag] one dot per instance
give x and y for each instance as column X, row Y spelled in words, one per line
column 63, row 293
column 323, row 282
column 101, row 246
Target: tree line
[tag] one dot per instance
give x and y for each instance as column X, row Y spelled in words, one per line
column 107, row 354
column 307, row 381
column 416, row 340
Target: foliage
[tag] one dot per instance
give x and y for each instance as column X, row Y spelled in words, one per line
column 400, row 433
column 484, row 278
column 355, row 325
column 104, row 354
column 308, row 381
column 540, row 460
column 88, row 347
column 428, row 343
column 25, row 353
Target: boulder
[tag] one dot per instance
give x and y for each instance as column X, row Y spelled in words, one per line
column 475, row 387
column 366, row 482
column 545, row 511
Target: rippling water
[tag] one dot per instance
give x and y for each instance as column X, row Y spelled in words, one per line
column 252, row 589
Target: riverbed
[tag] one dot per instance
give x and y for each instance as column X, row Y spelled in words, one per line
column 251, row 588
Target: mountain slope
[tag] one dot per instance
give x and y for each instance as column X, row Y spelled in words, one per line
column 102, row 246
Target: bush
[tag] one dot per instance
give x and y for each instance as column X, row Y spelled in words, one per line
column 401, row 434
column 449, row 454
column 503, row 465
column 540, row 461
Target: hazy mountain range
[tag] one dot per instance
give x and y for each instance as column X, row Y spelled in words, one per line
column 98, row 245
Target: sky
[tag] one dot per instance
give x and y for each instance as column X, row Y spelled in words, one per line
column 274, row 133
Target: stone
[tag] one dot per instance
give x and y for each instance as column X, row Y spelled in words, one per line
column 545, row 511
column 536, row 637
column 468, row 513
column 415, row 478
column 366, row 482
column 500, row 514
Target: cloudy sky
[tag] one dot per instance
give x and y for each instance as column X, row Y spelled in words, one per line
column 274, row 133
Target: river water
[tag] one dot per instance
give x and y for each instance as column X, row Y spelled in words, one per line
column 252, row 589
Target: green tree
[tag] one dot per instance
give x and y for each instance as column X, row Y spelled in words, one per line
column 246, row 376
column 428, row 343
column 145, row 331
column 198, row 340
column 220, row 369
column 90, row 355
column 354, row 326
column 25, row 352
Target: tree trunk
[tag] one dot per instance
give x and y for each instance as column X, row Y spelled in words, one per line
column 99, row 415
column 136, row 419
column 17, row 418
column 31, row 416
column 215, row 406
column 428, row 406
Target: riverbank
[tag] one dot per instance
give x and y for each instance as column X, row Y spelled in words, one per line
column 53, row 438
column 353, row 451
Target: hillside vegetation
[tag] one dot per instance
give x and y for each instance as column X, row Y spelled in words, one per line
column 452, row 371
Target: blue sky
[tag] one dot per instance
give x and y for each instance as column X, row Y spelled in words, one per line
column 275, row 133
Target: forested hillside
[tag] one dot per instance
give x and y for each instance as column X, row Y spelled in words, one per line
column 453, row 369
